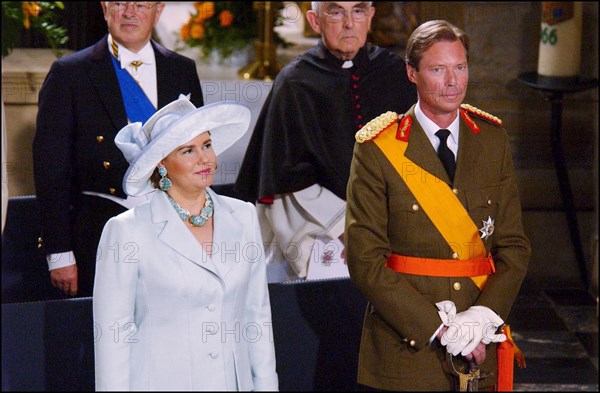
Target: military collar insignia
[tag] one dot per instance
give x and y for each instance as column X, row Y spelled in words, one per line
column 375, row 126
column 472, row 125
column 404, row 129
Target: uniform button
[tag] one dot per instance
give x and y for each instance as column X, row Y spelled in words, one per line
column 415, row 207
column 455, row 256
column 356, row 97
column 360, row 126
column 355, row 78
column 106, row 164
column 214, row 355
column 489, row 201
column 455, row 191
column 211, row 307
column 40, row 242
column 100, row 138
column 456, row 286
column 355, row 86
column 412, row 343
column 357, row 106
column 112, row 191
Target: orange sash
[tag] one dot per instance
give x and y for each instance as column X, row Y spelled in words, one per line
column 441, row 267
column 437, row 200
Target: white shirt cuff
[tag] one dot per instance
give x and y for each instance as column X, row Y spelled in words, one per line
column 435, row 334
column 63, row 259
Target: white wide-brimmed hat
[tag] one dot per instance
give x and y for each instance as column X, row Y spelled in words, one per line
column 144, row 146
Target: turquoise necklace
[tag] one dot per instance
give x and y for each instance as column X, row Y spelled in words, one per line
column 196, row 220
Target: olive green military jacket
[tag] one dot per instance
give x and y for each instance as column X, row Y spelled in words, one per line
column 383, row 217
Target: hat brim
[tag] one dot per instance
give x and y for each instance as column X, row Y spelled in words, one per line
column 226, row 121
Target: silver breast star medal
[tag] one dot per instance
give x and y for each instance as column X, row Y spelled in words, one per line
column 487, row 229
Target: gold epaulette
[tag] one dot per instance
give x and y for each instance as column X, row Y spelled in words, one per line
column 375, row 126
column 482, row 114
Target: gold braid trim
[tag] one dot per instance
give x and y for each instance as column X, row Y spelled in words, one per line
column 375, row 126
column 482, row 114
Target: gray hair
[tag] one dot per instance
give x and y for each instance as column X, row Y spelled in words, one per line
column 314, row 5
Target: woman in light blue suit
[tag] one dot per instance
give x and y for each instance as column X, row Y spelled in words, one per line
column 181, row 299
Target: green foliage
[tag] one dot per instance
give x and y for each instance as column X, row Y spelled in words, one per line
column 37, row 15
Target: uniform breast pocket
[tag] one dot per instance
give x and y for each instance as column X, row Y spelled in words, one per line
column 407, row 222
column 483, row 203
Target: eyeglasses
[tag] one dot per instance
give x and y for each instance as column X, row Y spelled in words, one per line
column 359, row 14
column 140, row 7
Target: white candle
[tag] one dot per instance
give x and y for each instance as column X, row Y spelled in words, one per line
column 560, row 41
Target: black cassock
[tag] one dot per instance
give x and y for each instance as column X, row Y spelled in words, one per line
column 305, row 132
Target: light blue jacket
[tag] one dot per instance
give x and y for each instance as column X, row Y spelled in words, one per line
column 169, row 317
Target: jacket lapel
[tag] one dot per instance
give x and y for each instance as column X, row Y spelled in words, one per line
column 421, row 151
column 163, row 75
column 228, row 230
column 468, row 153
column 177, row 236
column 104, row 80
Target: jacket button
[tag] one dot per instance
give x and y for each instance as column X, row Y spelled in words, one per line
column 112, row 191
column 455, row 256
column 211, row 307
column 415, row 207
column 412, row 343
column 100, row 138
column 106, row 164
column 489, row 202
column 455, row 191
column 456, row 286
column 214, row 355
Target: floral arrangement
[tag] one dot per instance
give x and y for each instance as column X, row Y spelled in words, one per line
column 39, row 15
column 224, row 27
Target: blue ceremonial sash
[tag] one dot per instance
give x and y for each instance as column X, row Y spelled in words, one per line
column 137, row 105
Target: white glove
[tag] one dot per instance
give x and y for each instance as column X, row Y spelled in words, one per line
column 469, row 328
column 447, row 311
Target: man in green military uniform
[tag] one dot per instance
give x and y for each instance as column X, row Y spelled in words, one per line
column 434, row 236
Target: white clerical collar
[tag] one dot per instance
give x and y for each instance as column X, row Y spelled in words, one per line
column 347, row 64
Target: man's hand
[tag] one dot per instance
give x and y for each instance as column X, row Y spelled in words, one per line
column 478, row 354
column 65, row 279
column 470, row 328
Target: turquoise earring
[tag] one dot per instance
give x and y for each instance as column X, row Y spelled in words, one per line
column 164, row 183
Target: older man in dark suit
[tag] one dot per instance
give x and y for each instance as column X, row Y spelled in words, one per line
column 85, row 100
column 434, row 235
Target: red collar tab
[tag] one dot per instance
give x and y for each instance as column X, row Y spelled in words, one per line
column 472, row 125
column 404, row 128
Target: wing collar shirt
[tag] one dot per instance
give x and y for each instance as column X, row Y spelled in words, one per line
column 146, row 73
